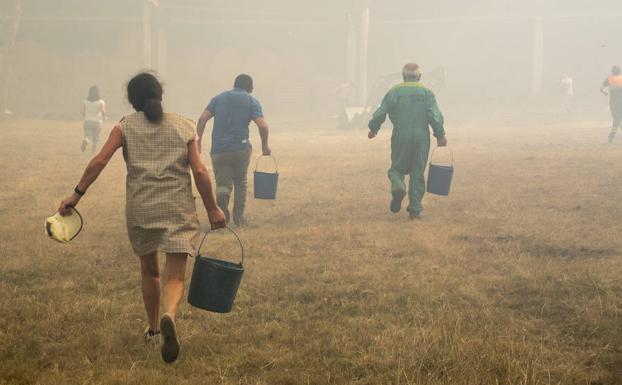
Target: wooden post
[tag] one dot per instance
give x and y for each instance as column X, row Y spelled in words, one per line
column 6, row 58
column 537, row 57
column 159, row 39
column 363, row 56
column 162, row 46
column 147, row 36
column 351, row 58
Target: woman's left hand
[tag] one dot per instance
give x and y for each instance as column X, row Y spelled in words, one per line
column 68, row 203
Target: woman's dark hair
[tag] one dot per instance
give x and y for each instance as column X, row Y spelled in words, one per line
column 244, row 82
column 144, row 92
column 93, row 94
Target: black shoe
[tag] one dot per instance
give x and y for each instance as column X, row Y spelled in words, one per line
column 151, row 338
column 612, row 136
column 170, row 347
column 414, row 215
column 222, row 200
column 396, row 202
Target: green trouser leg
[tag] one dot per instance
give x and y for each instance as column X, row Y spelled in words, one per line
column 416, row 184
column 400, row 160
column 397, row 180
column 409, row 156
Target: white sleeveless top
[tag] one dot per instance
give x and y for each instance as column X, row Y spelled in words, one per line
column 93, row 111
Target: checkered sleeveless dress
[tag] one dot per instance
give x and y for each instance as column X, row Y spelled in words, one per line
column 160, row 209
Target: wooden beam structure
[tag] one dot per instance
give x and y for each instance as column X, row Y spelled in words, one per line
column 156, row 41
column 315, row 21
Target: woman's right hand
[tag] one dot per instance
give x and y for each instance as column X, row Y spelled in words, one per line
column 68, row 203
column 217, row 218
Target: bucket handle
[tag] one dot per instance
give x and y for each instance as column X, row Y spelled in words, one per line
column 450, row 151
column 276, row 165
column 48, row 230
column 236, row 237
column 81, row 223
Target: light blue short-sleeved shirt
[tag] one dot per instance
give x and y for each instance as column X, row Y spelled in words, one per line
column 233, row 111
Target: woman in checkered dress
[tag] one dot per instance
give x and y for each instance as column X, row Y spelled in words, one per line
column 160, row 150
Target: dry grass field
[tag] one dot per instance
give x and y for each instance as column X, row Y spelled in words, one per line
column 516, row 278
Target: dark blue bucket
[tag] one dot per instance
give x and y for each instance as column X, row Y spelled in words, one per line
column 440, row 177
column 265, row 183
column 214, row 282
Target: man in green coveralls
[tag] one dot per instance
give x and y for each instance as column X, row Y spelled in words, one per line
column 412, row 109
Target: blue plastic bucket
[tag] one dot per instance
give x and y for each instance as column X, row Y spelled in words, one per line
column 265, row 183
column 214, row 282
column 440, row 177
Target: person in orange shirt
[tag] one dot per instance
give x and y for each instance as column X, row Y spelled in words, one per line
column 614, row 84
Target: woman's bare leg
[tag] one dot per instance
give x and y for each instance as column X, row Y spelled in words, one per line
column 150, row 272
column 174, row 272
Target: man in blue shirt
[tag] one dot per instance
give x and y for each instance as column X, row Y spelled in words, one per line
column 231, row 149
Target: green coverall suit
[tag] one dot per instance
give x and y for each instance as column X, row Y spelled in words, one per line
column 412, row 109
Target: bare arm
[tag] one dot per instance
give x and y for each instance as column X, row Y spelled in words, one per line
column 94, row 168
column 104, row 112
column 204, row 185
column 264, row 132
column 205, row 117
column 604, row 87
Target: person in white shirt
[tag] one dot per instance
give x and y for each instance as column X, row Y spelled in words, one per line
column 94, row 113
column 567, row 88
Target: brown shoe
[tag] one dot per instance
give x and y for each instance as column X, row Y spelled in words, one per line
column 240, row 221
column 170, row 347
column 612, row 136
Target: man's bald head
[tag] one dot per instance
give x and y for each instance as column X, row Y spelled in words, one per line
column 411, row 72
